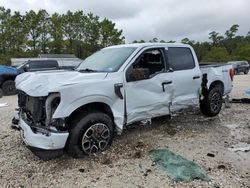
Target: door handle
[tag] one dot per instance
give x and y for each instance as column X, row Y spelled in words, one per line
column 196, row 77
column 165, row 83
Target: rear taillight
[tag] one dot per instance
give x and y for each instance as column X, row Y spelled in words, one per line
column 231, row 73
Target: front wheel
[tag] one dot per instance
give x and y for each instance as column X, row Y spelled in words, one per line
column 92, row 134
column 212, row 103
column 246, row 72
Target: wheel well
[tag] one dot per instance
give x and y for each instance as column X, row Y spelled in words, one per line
column 96, row 106
column 217, row 83
column 4, row 78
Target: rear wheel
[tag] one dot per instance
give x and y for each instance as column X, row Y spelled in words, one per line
column 212, row 103
column 246, row 72
column 92, row 134
column 9, row 87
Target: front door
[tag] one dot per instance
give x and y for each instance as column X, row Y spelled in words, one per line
column 148, row 96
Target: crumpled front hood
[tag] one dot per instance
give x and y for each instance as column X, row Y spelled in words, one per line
column 38, row 84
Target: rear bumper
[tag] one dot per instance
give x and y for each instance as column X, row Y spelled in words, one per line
column 53, row 141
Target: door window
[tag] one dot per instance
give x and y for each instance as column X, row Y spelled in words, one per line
column 50, row 64
column 180, row 58
column 150, row 63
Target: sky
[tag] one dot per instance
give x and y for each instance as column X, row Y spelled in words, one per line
column 147, row 19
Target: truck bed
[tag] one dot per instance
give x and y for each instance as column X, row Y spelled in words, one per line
column 218, row 73
column 205, row 65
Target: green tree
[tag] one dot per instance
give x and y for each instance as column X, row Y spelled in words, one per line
column 73, row 29
column 92, row 35
column 201, row 49
column 230, row 41
column 56, row 32
column 242, row 53
column 216, row 54
column 187, row 41
column 232, row 31
column 32, row 21
column 154, row 40
column 45, row 23
column 109, row 35
column 140, row 41
column 5, row 16
column 216, row 38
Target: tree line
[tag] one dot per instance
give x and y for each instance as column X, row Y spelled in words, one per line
column 220, row 48
column 32, row 33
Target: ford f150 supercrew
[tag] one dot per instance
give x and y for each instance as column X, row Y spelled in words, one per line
column 79, row 111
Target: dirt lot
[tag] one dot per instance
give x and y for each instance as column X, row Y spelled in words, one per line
column 191, row 135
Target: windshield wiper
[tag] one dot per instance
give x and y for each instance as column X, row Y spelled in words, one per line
column 87, row 70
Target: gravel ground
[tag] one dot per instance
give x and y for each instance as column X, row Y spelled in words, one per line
column 125, row 164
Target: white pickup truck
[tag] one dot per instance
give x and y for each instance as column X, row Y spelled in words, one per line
column 79, row 111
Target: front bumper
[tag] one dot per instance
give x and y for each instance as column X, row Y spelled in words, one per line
column 53, row 141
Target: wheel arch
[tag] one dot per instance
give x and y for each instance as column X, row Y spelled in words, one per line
column 5, row 77
column 217, row 83
column 92, row 106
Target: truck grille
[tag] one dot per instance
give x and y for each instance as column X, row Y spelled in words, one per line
column 32, row 108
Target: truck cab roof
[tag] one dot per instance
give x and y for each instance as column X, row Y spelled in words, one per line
column 142, row 45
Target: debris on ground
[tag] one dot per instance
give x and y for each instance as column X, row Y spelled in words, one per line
column 81, row 170
column 244, row 147
column 176, row 167
column 4, row 105
column 221, row 167
column 210, row 155
column 242, row 100
column 145, row 170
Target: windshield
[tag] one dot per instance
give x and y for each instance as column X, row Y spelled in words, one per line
column 106, row 60
column 20, row 66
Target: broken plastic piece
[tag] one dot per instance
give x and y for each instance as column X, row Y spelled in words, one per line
column 3, row 105
column 244, row 147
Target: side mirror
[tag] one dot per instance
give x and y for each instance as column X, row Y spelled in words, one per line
column 138, row 74
column 26, row 68
column 170, row 69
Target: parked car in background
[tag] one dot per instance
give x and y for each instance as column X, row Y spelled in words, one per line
column 240, row 66
column 8, row 74
column 38, row 65
column 7, row 79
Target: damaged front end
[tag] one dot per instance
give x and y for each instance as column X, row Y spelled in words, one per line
column 45, row 136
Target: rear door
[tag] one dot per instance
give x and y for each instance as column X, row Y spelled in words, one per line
column 186, row 78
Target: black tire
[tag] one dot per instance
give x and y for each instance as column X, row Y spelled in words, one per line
column 246, row 72
column 85, row 125
column 212, row 103
column 9, row 87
